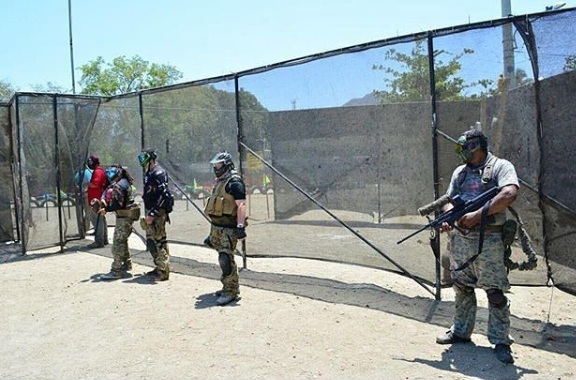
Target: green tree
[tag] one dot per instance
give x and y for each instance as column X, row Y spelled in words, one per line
column 6, row 91
column 125, row 75
column 570, row 63
column 412, row 83
column 50, row 87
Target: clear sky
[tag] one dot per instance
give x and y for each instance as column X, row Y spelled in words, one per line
column 209, row 38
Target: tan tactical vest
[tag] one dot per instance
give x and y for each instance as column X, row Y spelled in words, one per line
column 221, row 206
column 132, row 212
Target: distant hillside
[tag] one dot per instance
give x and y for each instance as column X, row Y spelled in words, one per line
column 366, row 100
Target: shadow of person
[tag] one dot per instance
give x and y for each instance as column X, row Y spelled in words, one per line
column 476, row 362
column 97, row 277
column 206, row 300
column 141, row 279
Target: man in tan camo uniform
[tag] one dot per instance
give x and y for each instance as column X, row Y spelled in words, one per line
column 226, row 208
column 118, row 198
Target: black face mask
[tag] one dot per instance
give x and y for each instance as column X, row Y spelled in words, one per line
column 220, row 171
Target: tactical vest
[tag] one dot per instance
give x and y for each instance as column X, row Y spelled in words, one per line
column 221, row 206
column 488, row 181
column 128, row 209
column 132, row 212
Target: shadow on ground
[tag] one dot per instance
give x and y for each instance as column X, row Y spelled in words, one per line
column 535, row 333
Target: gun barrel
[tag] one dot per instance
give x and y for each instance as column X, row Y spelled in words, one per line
column 412, row 234
column 433, row 206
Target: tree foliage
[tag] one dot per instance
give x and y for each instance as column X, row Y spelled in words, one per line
column 125, row 75
column 6, row 91
column 570, row 63
column 50, row 87
column 411, row 81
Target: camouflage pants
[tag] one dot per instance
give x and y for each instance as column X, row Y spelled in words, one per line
column 224, row 241
column 157, row 244
column 486, row 272
column 120, row 251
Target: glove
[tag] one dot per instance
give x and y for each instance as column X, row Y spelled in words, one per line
column 96, row 205
column 240, row 233
column 208, row 242
column 143, row 223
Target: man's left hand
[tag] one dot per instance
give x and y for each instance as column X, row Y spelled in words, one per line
column 240, row 233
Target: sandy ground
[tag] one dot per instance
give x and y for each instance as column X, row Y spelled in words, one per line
column 297, row 319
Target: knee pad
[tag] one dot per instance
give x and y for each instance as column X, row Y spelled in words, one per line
column 225, row 264
column 496, row 298
column 151, row 246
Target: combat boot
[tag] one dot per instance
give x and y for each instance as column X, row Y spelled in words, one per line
column 127, row 266
column 504, row 353
column 159, row 276
column 225, row 299
column 450, row 338
column 112, row 275
column 153, row 272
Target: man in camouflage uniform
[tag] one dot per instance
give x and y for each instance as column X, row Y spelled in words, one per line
column 118, row 198
column 477, row 258
column 226, row 208
column 155, row 217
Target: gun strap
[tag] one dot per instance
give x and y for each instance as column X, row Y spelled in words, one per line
column 480, row 238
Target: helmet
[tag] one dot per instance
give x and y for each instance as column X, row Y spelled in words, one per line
column 225, row 159
column 469, row 142
column 92, row 161
column 113, row 172
column 146, row 156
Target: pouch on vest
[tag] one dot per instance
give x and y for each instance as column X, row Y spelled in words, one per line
column 214, row 206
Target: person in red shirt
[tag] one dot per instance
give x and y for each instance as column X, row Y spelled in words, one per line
column 94, row 192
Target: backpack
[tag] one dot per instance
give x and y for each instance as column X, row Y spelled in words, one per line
column 168, row 201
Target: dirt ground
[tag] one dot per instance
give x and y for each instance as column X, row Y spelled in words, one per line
column 297, row 319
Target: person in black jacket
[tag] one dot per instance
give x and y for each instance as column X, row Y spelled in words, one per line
column 155, row 216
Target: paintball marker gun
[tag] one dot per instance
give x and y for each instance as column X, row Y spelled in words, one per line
column 460, row 209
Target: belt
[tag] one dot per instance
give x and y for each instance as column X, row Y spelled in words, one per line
column 487, row 229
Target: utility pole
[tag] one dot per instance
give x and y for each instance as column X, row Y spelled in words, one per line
column 508, row 46
column 71, row 46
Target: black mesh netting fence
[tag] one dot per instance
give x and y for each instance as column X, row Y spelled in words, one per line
column 338, row 150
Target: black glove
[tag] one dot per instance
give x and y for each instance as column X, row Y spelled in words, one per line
column 208, row 242
column 240, row 233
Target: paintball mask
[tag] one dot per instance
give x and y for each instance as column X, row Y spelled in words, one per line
column 469, row 143
column 146, row 156
column 223, row 158
column 112, row 173
column 92, row 161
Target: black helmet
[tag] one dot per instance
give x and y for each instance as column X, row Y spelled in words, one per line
column 225, row 159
